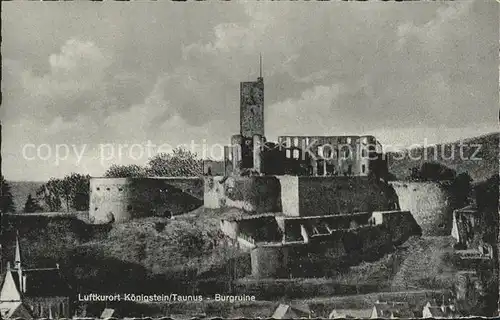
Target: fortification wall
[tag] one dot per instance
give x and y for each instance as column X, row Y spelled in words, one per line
column 258, row 194
column 323, row 224
column 289, row 194
column 335, row 195
column 109, row 197
column 299, row 195
column 121, row 199
column 430, row 203
column 269, row 261
column 399, row 224
column 339, row 249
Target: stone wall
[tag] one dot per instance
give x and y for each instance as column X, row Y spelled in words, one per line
column 289, row 195
column 341, row 248
column 430, row 203
column 399, row 224
column 269, row 261
column 334, row 195
column 299, row 195
column 109, row 197
column 321, row 224
column 257, row 194
column 121, row 199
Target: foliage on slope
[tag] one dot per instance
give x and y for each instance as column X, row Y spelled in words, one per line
column 479, row 157
column 146, row 255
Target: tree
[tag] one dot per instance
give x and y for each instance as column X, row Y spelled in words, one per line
column 31, row 205
column 432, row 171
column 76, row 191
column 462, row 188
column 125, row 171
column 51, row 193
column 179, row 163
column 6, row 199
column 72, row 189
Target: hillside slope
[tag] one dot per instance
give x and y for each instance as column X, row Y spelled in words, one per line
column 144, row 255
column 480, row 157
column 20, row 191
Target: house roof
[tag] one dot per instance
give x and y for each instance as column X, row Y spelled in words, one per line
column 351, row 313
column 107, row 313
column 438, row 312
column 301, row 307
column 280, row 311
column 286, row 311
column 386, row 310
column 14, row 309
column 47, row 282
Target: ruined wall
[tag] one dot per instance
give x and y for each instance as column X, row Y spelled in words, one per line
column 328, row 155
column 289, row 195
column 321, row 224
column 334, row 195
column 121, row 199
column 213, row 192
column 109, row 197
column 258, row 194
column 214, row 168
column 430, row 203
column 230, row 228
column 269, row 261
column 400, row 225
column 262, row 229
column 299, row 196
column 325, row 253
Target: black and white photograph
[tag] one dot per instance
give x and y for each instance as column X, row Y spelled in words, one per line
column 249, row 159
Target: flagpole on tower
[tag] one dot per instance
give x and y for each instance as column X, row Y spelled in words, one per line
column 260, row 65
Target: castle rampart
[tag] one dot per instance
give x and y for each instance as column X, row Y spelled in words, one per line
column 314, row 251
column 121, row 199
column 431, row 203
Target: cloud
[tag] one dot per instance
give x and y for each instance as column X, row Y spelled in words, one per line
column 172, row 75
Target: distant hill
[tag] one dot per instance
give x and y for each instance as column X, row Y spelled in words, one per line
column 480, row 157
column 20, row 191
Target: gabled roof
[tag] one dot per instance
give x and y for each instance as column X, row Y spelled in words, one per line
column 286, row 311
column 386, row 310
column 47, row 282
column 16, row 309
column 438, row 312
column 107, row 313
column 280, row 311
column 351, row 313
column 301, row 307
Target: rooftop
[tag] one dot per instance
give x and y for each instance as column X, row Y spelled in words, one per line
column 44, row 282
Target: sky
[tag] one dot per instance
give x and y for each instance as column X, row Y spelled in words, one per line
column 86, row 85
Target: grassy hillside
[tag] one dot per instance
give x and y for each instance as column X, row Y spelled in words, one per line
column 144, row 255
column 487, row 147
column 185, row 254
column 20, row 191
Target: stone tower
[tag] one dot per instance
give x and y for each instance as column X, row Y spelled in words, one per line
column 252, row 108
column 245, row 152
